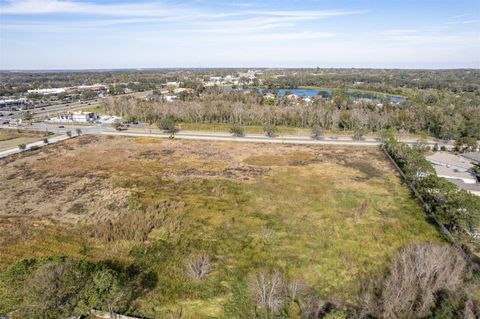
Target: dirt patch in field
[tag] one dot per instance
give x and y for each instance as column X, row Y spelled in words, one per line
column 366, row 168
column 289, row 159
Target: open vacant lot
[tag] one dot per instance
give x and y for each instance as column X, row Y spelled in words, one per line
column 330, row 216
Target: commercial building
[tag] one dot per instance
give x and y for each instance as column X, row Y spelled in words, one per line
column 473, row 157
column 83, row 117
column 47, row 91
column 456, row 169
column 75, row 117
column 10, row 104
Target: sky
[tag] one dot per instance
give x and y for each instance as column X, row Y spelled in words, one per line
column 107, row 34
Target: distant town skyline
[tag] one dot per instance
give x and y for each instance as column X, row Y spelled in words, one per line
column 94, row 34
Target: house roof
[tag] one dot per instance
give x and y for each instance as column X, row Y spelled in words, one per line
column 449, row 159
column 449, row 172
column 474, row 188
column 473, row 156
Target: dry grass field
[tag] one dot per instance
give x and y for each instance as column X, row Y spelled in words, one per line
column 12, row 138
column 329, row 215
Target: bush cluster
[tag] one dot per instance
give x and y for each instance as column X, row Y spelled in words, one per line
column 456, row 209
column 60, row 287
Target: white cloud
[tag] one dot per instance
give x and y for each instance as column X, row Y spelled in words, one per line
column 152, row 33
column 321, row 14
column 148, row 9
column 274, row 37
column 181, row 18
column 398, row 31
column 135, row 9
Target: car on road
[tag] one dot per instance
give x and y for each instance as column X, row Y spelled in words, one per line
column 61, row 126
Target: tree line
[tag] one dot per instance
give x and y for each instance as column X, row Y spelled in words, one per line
column 441, row 114
column 458, row 210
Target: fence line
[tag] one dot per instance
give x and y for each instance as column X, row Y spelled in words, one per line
column 431, row 215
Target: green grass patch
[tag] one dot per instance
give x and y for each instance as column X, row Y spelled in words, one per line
column 249, row 129
column 7, row 134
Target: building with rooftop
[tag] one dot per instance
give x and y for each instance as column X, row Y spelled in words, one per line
column 456, row 169
column 473, row 157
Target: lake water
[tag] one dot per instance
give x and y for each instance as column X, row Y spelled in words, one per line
column 327, row 93
column 353, row 94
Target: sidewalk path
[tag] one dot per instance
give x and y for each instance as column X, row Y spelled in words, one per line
column 51, row 140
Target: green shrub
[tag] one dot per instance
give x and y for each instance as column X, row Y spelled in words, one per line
column 476, row 169
column 61, row 287
column 448, row 306
column 317, row 132
column 237, row 130
column 131, row 119
column 358, row 133
column 457, row 209
column 167, row 124
column 76, row 208
column 270, row 130
column 117, row 126
column 22, row 146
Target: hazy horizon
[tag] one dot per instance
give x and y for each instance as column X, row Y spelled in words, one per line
column 232, row 68
column 149, row 34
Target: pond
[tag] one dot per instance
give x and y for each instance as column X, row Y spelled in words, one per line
column 354, row 94
column 326, row 93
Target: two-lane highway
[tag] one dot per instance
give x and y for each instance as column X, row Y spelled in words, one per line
column 142, row 131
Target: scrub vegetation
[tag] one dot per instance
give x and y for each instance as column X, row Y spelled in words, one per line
column 198, row 229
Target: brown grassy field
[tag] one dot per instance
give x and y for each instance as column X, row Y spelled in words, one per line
column 12, row 138
column 330, row 215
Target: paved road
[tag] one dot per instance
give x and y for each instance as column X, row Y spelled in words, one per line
column 247, row 138
column 62, row 108
column 212, row 136
column 51, row 110
column 194, row 135
column 51, row 140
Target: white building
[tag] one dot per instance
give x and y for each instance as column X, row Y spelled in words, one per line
column 83, row 117
column 47, row 91
column 249, row 74
column 173, row 84
column 75, row 117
